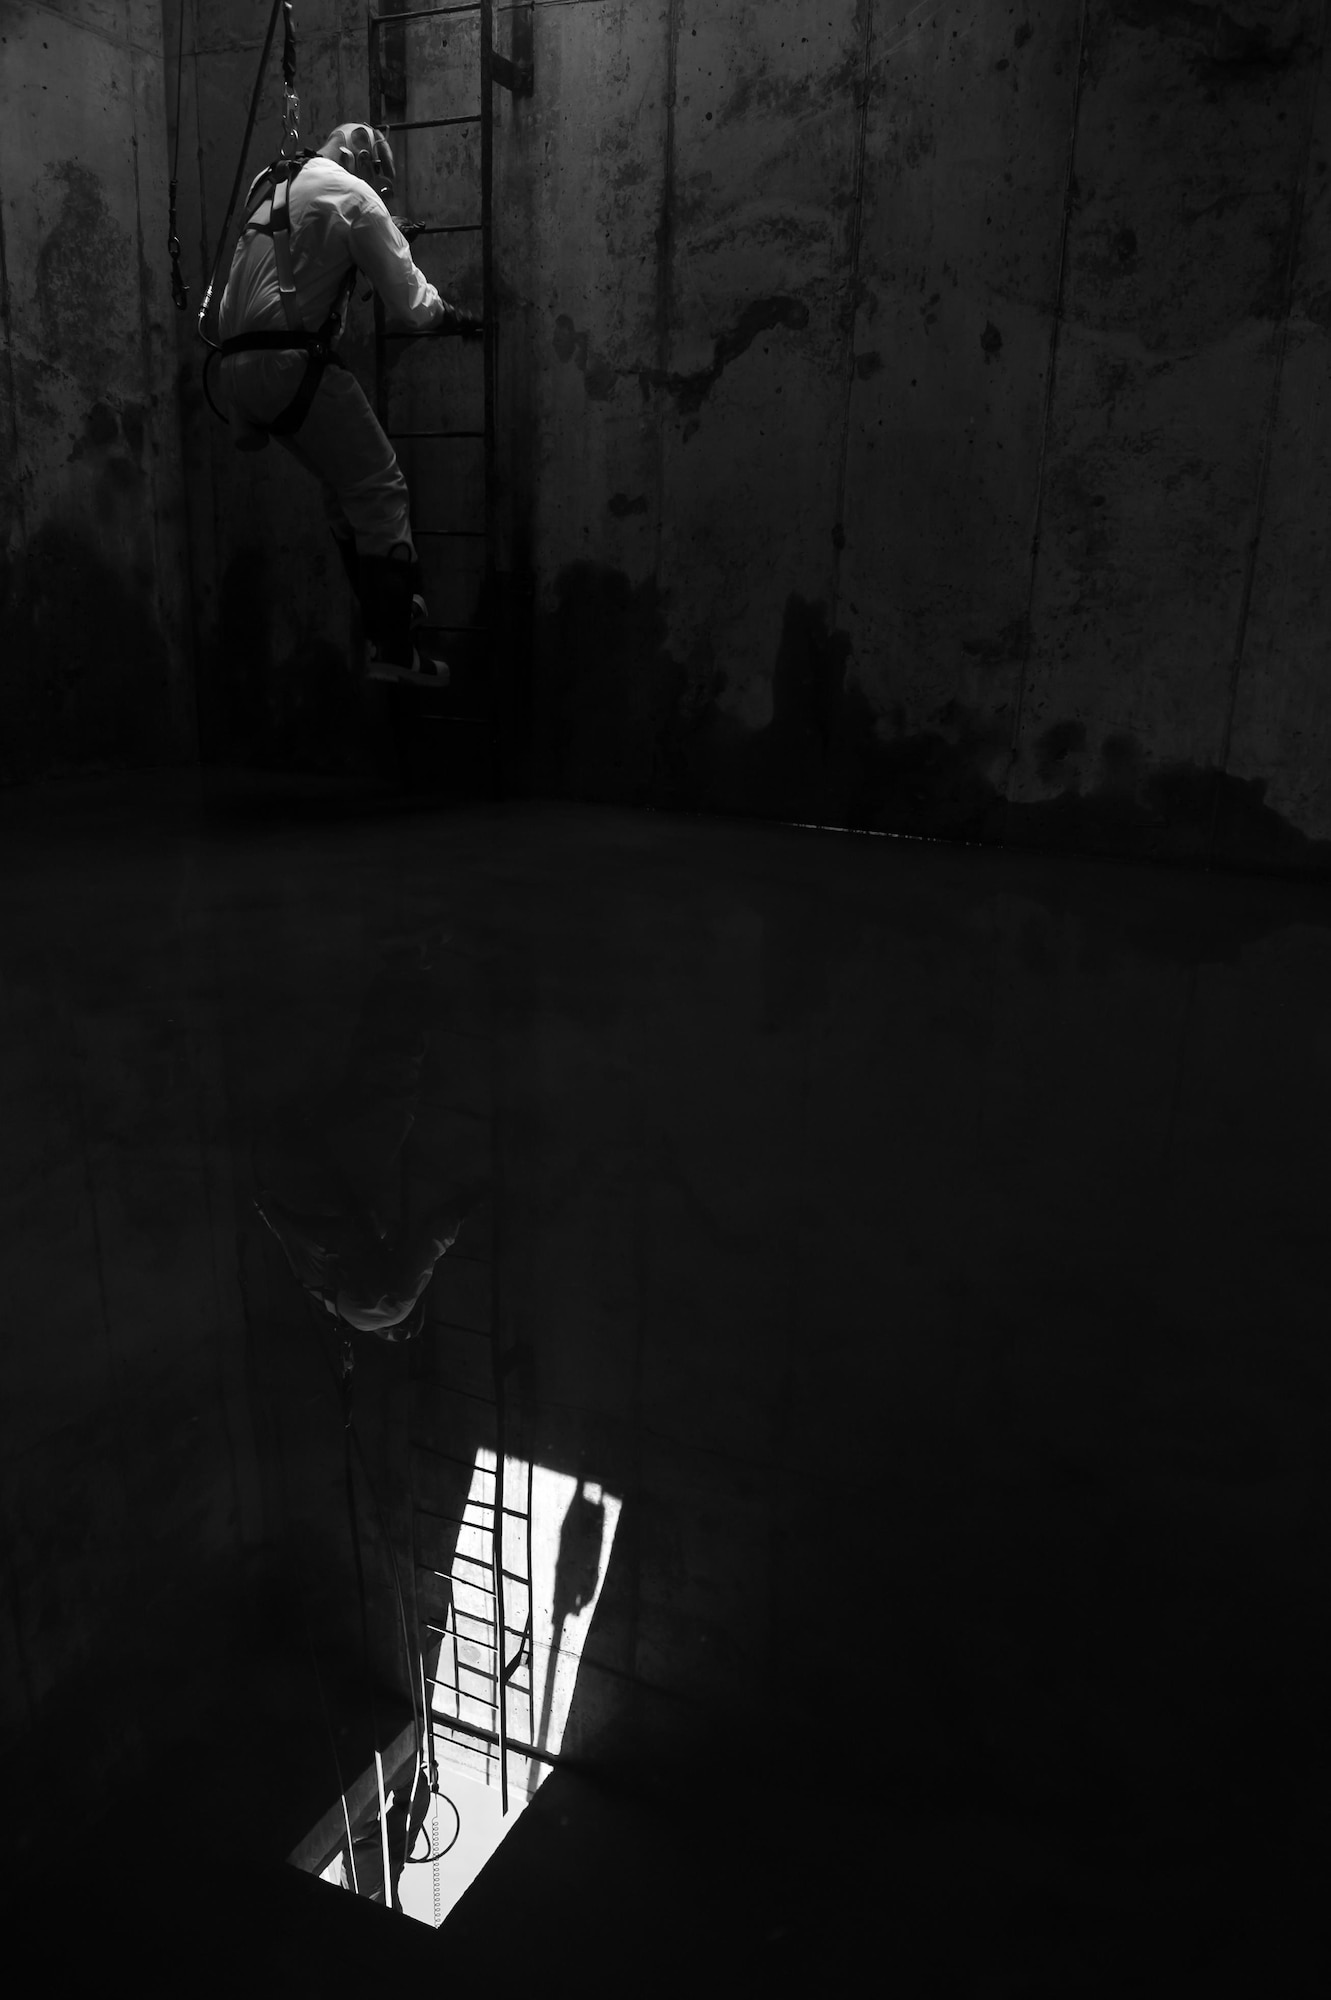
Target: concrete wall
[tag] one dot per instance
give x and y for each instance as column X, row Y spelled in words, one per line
column 94, row 627
column 930, row 429
column 273, row 616
column 910, row 418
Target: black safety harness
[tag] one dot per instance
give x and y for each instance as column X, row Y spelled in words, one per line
column 272, row 191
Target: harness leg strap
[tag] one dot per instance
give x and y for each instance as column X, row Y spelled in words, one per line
column 298, row 408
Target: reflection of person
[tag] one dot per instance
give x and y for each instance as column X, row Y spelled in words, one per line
column 324, row 1167
column 375, row 1283
column 310, row 225
column 577, row 1570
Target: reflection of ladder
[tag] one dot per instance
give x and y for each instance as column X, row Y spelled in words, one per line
column 470, row 1478
column 433, row 71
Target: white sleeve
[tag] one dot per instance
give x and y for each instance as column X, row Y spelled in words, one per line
column 380, row 250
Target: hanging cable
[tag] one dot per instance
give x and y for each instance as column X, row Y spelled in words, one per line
column 425, row 1756
column 437, row 1854
column 179, row 289
column 292, row 1567
column 240, row 169
column 294, row 1574
column 290, row 101
column 353, row 1437
column 348, row 1363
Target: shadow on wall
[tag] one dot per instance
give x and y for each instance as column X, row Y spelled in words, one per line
column 620, row 720
column 86, row 682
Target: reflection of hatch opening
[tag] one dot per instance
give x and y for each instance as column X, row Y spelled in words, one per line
column 497, row 1728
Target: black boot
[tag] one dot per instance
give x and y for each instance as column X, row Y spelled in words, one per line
column 391, row 607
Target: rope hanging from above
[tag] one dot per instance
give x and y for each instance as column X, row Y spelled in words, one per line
column 179, row 289
column 290, row 101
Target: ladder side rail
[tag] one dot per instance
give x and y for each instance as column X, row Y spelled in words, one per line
column 377, row 121
column 489, row 339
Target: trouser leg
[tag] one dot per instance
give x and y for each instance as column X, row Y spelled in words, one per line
column 345, row 544
column 342, row 443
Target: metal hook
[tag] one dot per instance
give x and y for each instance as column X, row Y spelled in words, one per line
column 290, row 121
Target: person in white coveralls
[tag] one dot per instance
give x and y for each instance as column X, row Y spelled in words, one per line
column 311, row 225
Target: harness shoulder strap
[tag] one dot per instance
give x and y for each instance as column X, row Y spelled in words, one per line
column 261, row 190
column 281, row 234
column 273, row 190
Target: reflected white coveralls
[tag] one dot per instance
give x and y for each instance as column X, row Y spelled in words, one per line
column 339, row 226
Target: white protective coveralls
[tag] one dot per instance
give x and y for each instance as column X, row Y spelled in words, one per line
column 337, row 223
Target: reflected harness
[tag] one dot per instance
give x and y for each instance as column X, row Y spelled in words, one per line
column 273, row 187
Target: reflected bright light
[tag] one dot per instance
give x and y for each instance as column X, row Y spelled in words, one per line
column 556, row 1537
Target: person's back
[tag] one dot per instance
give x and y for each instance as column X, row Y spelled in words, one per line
column 338, row 225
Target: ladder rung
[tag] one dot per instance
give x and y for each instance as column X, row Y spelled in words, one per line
column 447, row 1577
column 487, row 1472
column 429, row 13
column 435, row 434
column 440, row 1723
column 464, row 1694
column 482, row 1645
column 485, row 1674
column 429, row 124
column 442, row 1388
column 484, row 1527
column 475, row 1562
column 442, row 1383
column 415, row 333
column 447, row 228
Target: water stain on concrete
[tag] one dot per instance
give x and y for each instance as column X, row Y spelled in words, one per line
column 1052, row 750
column 570, row 344
column 1009, row 643
column 80, row 266
column 86, row 681
column 628, row 721
column 608, row 690
column 102, row 426
column 690, row 392
column 566, row 339
column 106, row 427
column 760, row 316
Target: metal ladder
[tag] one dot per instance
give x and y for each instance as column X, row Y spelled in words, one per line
column 396, row 99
